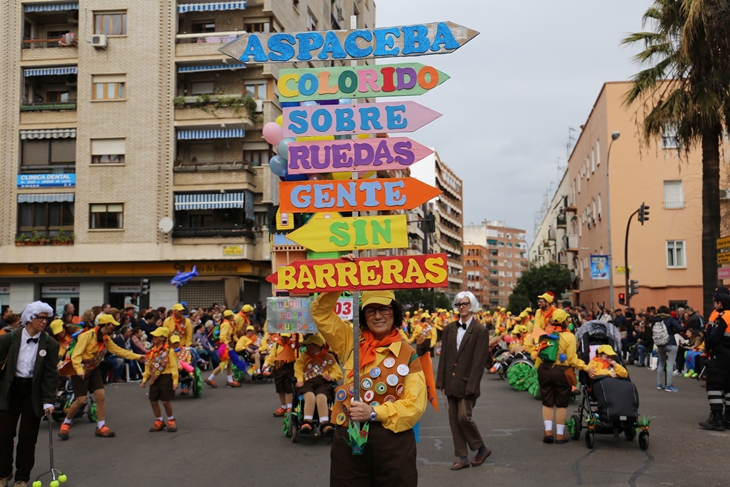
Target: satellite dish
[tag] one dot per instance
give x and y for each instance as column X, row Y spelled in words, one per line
column 166, row 225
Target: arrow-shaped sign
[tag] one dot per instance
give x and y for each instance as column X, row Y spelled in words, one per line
column 369, row 232
column 363, row 118
column 366, row 274
column 361, row 195
column 354, row 155
column 385, row 42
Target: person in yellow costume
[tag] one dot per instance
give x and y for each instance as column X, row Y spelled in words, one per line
column 544, row 312
column 249, row 342
column 282, row 357
column 62, row 336
column 604, row 364
column 424, row 335
column 179, row 325
column 243, row 319
column 161, row 371
column 227, row 342
column 393, row 389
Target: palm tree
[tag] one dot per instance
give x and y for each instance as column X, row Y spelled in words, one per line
column 685, row 87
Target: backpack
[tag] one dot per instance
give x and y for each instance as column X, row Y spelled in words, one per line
column 548, row 348
column 659, row 334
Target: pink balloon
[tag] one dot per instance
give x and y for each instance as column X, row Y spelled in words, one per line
column 273, row 133
column 316, row 177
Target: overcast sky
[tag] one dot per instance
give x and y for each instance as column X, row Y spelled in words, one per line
column 534, row 71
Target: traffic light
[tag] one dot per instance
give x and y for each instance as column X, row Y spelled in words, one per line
column 633, row 287
column 144, row 294
column 643, row 213
column 145, row 286
column 429, row 223
column 621, row 299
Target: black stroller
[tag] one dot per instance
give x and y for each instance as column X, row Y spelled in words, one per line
column 609, row 405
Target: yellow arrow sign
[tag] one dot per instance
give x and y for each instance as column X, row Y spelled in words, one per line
column 723, row 258
column 723, row 243
column 369, row 232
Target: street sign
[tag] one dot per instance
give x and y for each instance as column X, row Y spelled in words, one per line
column 362, row 233
column 723, row 258
column 354, row 155
column 622, row 270
column 404, row 41
column 336, row 83
column 361, row 195
column 723, row 243
column 723, row 273
column 366, row 274
column 363, row 118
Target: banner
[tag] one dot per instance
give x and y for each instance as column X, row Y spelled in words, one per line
column 46, row 180
column 599, row 267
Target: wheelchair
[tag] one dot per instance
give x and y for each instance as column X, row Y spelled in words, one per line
column 293, row 421
column 65, row 397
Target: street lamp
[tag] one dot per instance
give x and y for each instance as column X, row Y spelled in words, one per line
column 614, row 138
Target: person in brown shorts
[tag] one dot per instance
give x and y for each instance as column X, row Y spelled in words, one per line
column 161, row 371
column 316, row 371
column 282, row 358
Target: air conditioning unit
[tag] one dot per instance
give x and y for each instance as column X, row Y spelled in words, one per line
column 72, row 79
column 98, row 41
column 73, row 17
column 725, row 194
column 259, row 106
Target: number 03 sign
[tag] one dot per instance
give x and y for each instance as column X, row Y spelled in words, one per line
column 343, row 308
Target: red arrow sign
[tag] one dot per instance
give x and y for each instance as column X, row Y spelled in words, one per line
column 360, row 195
column 354, row 155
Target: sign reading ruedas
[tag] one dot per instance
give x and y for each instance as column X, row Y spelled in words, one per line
column 404, row 41
column 599, row 267
column 289, row 315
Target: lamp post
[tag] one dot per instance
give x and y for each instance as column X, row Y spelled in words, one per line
column 614, row 137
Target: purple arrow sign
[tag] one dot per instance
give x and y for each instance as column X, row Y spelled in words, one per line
column 354, row 155
column 363, row 118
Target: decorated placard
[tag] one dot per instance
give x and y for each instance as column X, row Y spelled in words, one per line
column 363, row 118
column 362, row 195
column 340, row 82
column 289, row 315
column 362, row 233
column 365, row 274
column 403, row 41
column 343, row 308
column 354, row 155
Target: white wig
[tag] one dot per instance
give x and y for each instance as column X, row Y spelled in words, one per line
column 472, row 299
column 33, row 309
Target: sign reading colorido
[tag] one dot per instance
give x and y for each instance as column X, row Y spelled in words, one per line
column 46, row 180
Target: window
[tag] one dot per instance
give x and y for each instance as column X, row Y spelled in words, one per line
column 598, row 152
column 39, row 154
column 202, row 152
column 108, row 87
column 593, row 207
column 600, row 206
column 201, row 27
column 256, row 89
column 593, row 160
column 675, row 254
column 108, row 151
column 509, row 254
column 311, row 21
column 110, row 23
column 257, row 27
column 47, row 218
column 673, row 195
column 203, row 87
column 587, row 165
column 509, row 274
column 106, row 216
column 575, row 198
column 578, row 188
column 669, row 136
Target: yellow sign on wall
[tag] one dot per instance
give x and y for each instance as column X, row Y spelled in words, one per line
column 233, row 250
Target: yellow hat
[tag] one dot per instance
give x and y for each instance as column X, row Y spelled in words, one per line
column 250, row 328
column 228, row 312
column 509, row 313
column 523, row 315
column 161, row 331
column 178, row 307
column 528, row 310
column 519, row 329
column 376, row 297
column 247, row 308
column 425, row 314
column 315, row 339
column 106, row 318
column 408, row 313
column 285, row 335
column 56, row 326
column 607, row 350
column 559, row 316
column 547, row 297
column 175, row 339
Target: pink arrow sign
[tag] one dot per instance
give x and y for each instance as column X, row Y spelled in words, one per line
column 363, row 118
column 354, row 155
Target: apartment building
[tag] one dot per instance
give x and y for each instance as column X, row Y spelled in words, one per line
column 132, row 148
column 505, row 261
column 476, row 270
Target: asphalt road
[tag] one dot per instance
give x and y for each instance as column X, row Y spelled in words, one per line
column 229, row 437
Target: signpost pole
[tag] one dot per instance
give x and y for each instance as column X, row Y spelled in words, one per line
column 355, row 293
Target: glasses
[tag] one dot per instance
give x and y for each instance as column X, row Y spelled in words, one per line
column 463, row 305
column 42, row 318
column 384, row 311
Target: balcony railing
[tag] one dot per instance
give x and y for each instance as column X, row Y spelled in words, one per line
column 213, row 166
column 49, row 169
column 208, row 37
column 66, row 41
column 182, row 232
column 48, row 106
column 674, row 205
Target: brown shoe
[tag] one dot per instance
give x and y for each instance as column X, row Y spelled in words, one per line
column 171, row 426
column 560, row 439
column 65, row 431
column 104, row 432
column 233, row 384
column 211, row 383
column 548, row 437
column 479, row 459
column 157, row 426
column 458, row 465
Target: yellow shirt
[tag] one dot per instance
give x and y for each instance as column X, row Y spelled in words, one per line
column 243, row 343
column 278, row 353
column 186, row 337
column 240, row 323
column 87, row 346
column 540, row 321
column 397, row 416
column 333, row 370
column 226, row 332
column 598, row 366
column 265, row 343
column 170, row 367
column 566, row 346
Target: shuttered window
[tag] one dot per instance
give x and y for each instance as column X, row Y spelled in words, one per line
column 673, row 195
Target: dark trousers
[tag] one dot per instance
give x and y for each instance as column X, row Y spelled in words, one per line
column 463, row 429
column 21, row 408
column 718, row 383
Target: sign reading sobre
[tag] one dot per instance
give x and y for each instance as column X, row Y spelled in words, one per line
column 363, row 118
column 362, row 233
column 410, row 40
column 46, row 180
column 351, row 155
column 361, row 195
column 289, row 315
column 366, row 274
column 336, row 83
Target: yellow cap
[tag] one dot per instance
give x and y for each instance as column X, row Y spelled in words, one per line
column 56, row 326
column 161, row 331
column 106, row 318
column 559, row 316
column 285, row 335
column 607, row 350
column 519, row 329
column 178, row 307
column 175, row 339
column 247, row 308
column 425, row 314
column 547, row 297
column 315, row 339
column 376, row 297
column 528, row 310
column 228, row 312
column 250, row 328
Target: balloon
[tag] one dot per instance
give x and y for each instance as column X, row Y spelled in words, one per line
column 342, row 137
column 310, row 104
column 329, row 102
column 341, row 176
column 277, row 164
column 295, row 177
column 346, row 101
column 315, row 138
column 280, row 120
column 364, row 136
column 284, row 147
column 290, row 104
column 273, row 133
column 316, row 177
column 366, row 174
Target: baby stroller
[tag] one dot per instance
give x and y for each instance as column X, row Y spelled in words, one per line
column 65, row 397
column 293, row 421
column 609, row 405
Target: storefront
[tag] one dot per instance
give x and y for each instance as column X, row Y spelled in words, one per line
column 59, row 295
column 4, row 297
column 124, row 294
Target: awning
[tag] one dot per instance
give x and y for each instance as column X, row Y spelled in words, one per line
column 491, row 242
column 46, row 198
column 213, row 67
column 52, row 71
column 211, row 6
column 210, row 134
column 48, row 134
column 208, row 201
column 52, row 7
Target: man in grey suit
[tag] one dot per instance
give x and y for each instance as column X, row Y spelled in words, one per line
column 464, row 354
column 28, row 380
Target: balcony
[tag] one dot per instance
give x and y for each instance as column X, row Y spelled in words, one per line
column 562, row 220
column 211, row 232
column 570, row 243
column 203, row 45
column 48, row 106
column 226, row 110
column 50, row 31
